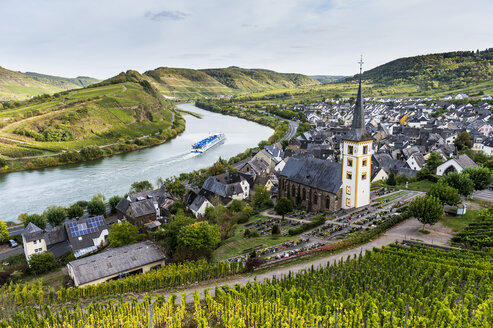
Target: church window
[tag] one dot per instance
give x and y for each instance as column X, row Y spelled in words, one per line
column 348, row 190
column 304, row 194
column 363, row 176
column 350, row 150
column 350, row 162
column 315, row 198
column 349, row 176
column 293, row 191
column 365, row 150
column 364, row 162
column 327, row 202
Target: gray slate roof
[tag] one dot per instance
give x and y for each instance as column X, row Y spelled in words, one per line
column 32, row 232
column 142, row 208
column 222, row 189
column 116, row 260
column 317, row 173
column 465, row 161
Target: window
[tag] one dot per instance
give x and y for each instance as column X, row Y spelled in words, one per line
column 304, row 194
column 363, row 176
column 315, row 198
column 348, row 190
column 365, row 150
column 364, row 162
column 35, row 242
column 350, row 162
column 327, row 202
column 349, row 176
column 350, row 150
column 348, row 201
column 293, row 190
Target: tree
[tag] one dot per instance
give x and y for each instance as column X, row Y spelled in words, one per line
column 423, row 174
column 36, row 219
column 75, row 211
column 480, row 176
column 113, row 201
column 276, row 230
column 283, row 206
column 460, row 181
column 176, row 187
column 169, row 233
column 236, row 205
column 4, row 232
column 463, row 141
column 433, row 162
column 96, row 206
column 199, row 235
column 261, row 196
column 42, row 262
column 401, row 179
column 445, row 193
column 428, row 210
column 391, row 179
column 124, row 233
column 139, row 186
column 217, row 168
column 55, row 215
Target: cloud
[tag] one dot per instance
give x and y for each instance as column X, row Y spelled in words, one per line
column 165, row 15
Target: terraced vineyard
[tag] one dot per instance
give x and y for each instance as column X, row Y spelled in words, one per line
column 395, row 286
column 477, row 235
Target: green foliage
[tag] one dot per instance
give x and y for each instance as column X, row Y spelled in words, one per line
column 199, row 235
column 320, row 220
column 283, row 206
column 4, row 232
column 401, row 179
column 433, row 162
column 236, row 205
column 169, row 233
column 391, row 179
column 463, row 141
column 75, row 211
column 55, row 215
column 444, row 193
column 428, row 209
column 96, row 206
column 124, row 233
column 276, row 229
column 460, row 181
column 36, row 219
column 139, row 186
column 113, row 201
column 481, row 176
column 478, row 234
column 42, row 262
column 261, row 196
column 176, row 187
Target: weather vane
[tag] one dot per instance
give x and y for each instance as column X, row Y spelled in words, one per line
column 361, row 64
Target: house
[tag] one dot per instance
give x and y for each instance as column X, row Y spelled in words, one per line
column 256, row 166
column 139, row 209
column 198, row 205
column 313, row 183
column 456, row 164
column 416, row 161
column 36, row 240
column 86, row 235
column 116, row 263
column 487, row 146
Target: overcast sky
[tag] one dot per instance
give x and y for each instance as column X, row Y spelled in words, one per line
column 102, row 38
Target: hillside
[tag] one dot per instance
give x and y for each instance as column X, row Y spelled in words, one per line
column 444, row 71
column 328, row 78
column 190, row 83
column 17, row 86
column 63, row 82
column 119, row 115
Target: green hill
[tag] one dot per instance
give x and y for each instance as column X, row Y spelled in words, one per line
column 190, row 83
column 17, row 86
column 440, row 72
column 328, row 78
column 63, row 82
column 117, row 115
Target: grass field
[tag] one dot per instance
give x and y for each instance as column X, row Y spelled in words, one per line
column 458, row 223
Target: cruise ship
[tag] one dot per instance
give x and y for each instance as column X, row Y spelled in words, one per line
column 207, row 143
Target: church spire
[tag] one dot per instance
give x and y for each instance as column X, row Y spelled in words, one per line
column 358, row 130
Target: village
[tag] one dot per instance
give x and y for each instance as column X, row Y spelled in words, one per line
column 330, row 179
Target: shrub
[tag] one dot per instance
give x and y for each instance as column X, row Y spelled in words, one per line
column 42, row 262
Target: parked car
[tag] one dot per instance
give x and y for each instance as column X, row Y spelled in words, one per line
column 13, row 243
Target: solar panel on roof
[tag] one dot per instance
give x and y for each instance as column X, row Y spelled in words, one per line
column 79, row 229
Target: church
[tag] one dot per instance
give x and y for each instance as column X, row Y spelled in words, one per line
column 327, row 186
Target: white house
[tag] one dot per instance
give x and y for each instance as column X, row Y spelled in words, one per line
column 456, row 164
column 487, row 146
column 416, row 161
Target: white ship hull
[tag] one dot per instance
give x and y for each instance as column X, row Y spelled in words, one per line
column 206, row 144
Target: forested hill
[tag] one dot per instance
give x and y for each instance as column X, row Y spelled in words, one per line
column 442, row 71
column 190, row 83
column 63, row 82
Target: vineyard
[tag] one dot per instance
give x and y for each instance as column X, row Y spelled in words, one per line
column 395, row 286
column 477, row 235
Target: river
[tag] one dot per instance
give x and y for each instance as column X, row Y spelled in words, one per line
column 33, row 191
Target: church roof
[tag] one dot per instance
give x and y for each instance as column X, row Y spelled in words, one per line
column 313, row 172
column 358, row 130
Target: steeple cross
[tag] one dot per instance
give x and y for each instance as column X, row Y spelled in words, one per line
column 361, row 64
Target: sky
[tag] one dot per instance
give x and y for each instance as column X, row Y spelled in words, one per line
column 103, row 38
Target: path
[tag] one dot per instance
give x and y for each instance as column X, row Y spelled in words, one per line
column 439, row 235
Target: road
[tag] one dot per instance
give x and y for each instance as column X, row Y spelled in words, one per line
column 13, row 251
column 293, row 126
column 407, row 230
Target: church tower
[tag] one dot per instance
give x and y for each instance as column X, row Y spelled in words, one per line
column 356, row 158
